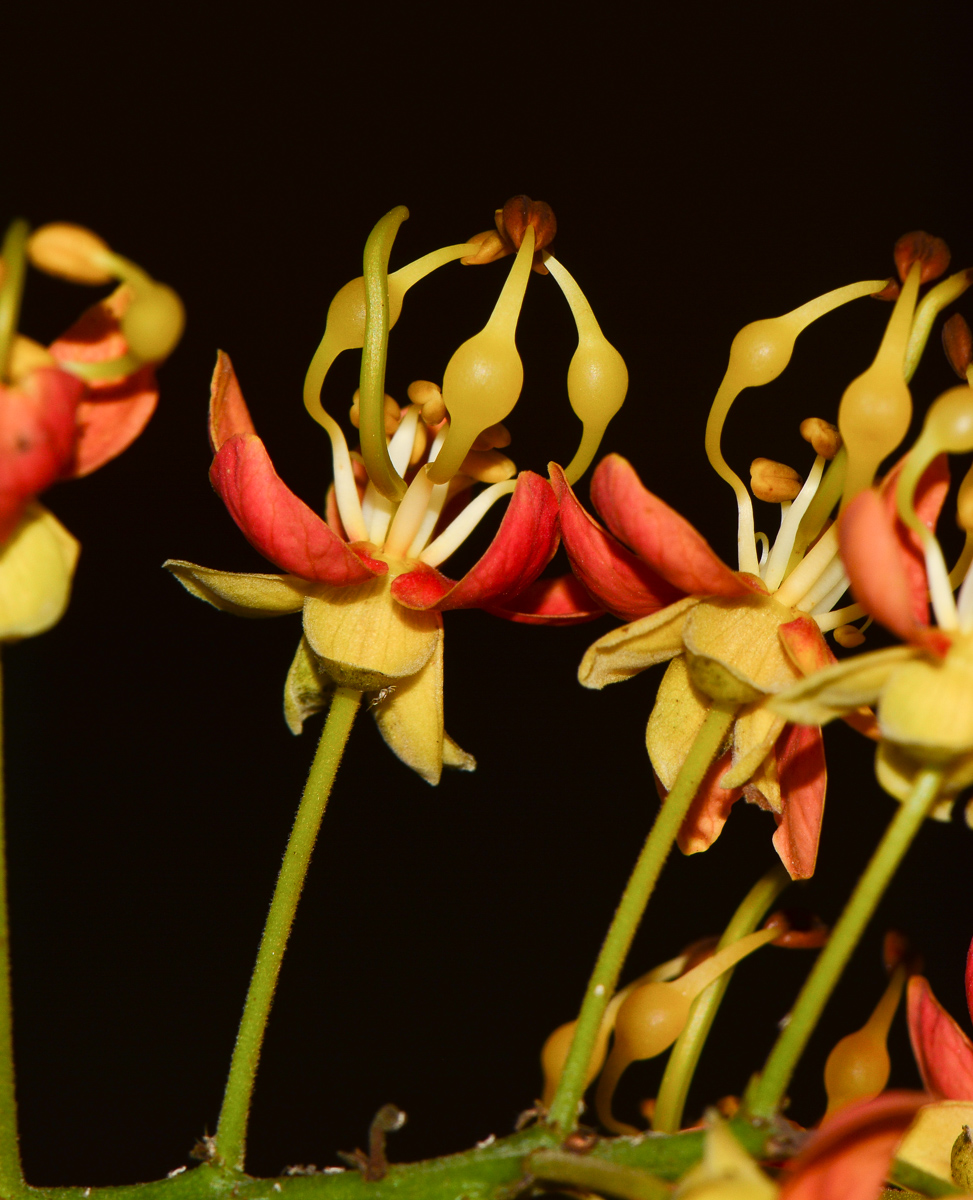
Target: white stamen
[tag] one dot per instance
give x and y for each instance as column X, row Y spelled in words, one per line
column 827, row 603
column 940, row 591
column 410, row 514
column 841, row 616
column 345, row 487
column 458, row 530
column 808, row 570
column 434, row 508
column 825, row 583
column 790, row 522
column 379, row 509
column 964, row 603
column 763, row 541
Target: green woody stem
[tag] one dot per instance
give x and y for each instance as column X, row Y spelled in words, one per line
column 628, row 915
column 767, row 1091
column 231, row 1132
column 11, row 1173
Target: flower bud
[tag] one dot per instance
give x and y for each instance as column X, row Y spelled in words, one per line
column 822, row 435
column 958, row 344
column 773, row 481
column 520, row 212
column 919, row 246
column 430, row 400
column 70, row 252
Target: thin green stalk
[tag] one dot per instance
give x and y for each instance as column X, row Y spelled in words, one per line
column 681, row 1066
column 628, row 915
column 231, row 1132
column 13, row 252
column 11, row 1172
column 767, row 1091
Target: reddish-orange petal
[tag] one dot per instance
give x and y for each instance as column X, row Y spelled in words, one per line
column 523, row 546
column 658, row 534
column 111, row 418
column 930, row 494
column 277, row 523
column 228, row 412
column 849, row 1157
column 37, row 437
column 709, row 810
column 805, row 644
column 561, row 601
column 626, row 586
column 943, row 1052
column 803, row 780
column 96, row 336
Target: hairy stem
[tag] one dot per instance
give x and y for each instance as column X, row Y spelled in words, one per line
column 231, row 1132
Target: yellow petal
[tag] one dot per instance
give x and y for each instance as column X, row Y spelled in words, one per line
column 36, row 568
column 675, row 720
column 734, row 649
column 927, row 709
column 929, row 1140
column 307, row 689
column 632, row 648
column 410, row 718
column 763, row 786
column 456, row 757
column 364, row 639
column 726, row 1171
column 244, row 595
column 754, row 732
column 896, row 772
column 847, row 685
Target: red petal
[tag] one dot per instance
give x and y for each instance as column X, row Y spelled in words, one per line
column 658, row 534
column 805, row 644
column 37, row 437
column 929, row 497
column 523, row 546
column 709, row 810
column 111, row 418
column 849, row 1157
column 943, row 1052
column 969, row 979
column 228, row 412
column 803, row 779
column 560, row 601
column 873, row 558
column 276, row 522
column 627, row 587
column 96, row 336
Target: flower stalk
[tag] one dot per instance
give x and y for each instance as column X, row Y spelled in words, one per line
column 604, row 979
column 768, row 1090
column 231, row 1132
column 11, row 1172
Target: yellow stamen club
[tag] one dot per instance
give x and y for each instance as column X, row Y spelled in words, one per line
column 858, row 1067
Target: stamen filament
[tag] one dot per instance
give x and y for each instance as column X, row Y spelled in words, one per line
column 928, row 308
column 763, row 541
column 405, row 277
column 809, row 569
column 964, row 602
column 14, row 255
column 434, row 508
column 345, row 487
column 830, row 577
column 841, row 616
column 827, row 603
column 399, row 449
column 820, row 509
column 458, row 530
column 790, row 525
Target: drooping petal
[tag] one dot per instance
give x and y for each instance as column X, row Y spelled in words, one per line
column 626, row 586
column 873, row 558
column 37, row 436
column 410, row 719
column 674, row 722
column 364, row 639
column 755, row 731
column 850, row 1156
column 307, row 689
column 709, row 810
column 658, row 534
column 928, row 1144
column 277, row 523
column 803, row 780
column 561, row 601
column 632, row 648
column 111, row 417
column 36, row 569
column 243, row 595
column 523, row 546
column 930, row 493
column 840, row 689
column 943, row 1052
column 228, row 412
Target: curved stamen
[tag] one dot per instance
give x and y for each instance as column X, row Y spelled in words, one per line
column 809, row 570
column 345, row 487
column 928, row 308
column 462, row 526
column 790, row 524
column 840, row 616
column 434, row 508
column 830, row 577
column 380, row 508
column 763, row 541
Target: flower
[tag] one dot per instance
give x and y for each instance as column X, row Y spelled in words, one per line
column 366, row 578
column 67, row 410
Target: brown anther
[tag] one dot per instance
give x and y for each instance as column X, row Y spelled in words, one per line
column 897, row 950
column 70, row 252
column 799, row 929
column 728, row 1106
column 889, row 292
column 420, row 444
column 823, row 436
column 494, row 437
column 848, row 636
column 519, row 212
column 958, row 344
column 488, row 466
column 490, row 246
column 580, row 1143
column 774, row 481
column 429, row 397
column 919, row 246
column 698, row 951
column 647, row 1109
column 393, row 414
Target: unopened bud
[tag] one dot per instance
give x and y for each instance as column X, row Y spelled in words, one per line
column 919, row 246
column 823, row 436
column 958, row 344
column 392, row 413
column 70, row 252
column 520, row 212
column 848, row 636
column 429, row 397
column 774, row 481
column 489, row 247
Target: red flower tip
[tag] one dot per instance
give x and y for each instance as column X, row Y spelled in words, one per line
column 958, row 344
column 799, row 929
column 919, row 246
column 520, row 212
column 228, row 412
column 889, row 292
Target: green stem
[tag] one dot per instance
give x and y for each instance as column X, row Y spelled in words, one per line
column 11, row 1172
column 681, row 1066
column 231, row 1132
column 14, row 255
column 628, row 915
column 767, row 1091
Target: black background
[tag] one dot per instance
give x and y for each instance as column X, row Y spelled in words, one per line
column 705, row 171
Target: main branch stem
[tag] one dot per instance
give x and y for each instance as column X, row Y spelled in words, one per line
column 11, row 1172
